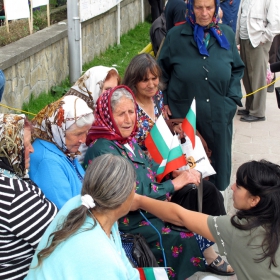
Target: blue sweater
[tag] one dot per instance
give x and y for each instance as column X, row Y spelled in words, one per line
column 90, row 254
column 55, row 173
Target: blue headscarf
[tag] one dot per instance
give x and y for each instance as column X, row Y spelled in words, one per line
column 213, row 28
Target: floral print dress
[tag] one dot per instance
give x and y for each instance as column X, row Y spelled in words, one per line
column 145, row 123
column 183, row 255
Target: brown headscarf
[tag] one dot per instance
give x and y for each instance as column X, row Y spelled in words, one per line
column 12, row 144
column 104, row 125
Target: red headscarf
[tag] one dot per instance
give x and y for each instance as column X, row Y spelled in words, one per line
column 104, row 125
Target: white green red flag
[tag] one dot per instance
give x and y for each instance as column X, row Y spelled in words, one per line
column 152, row 273
column 164, row 148
column 189, row 123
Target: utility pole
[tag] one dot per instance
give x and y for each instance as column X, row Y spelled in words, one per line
column 74, row 40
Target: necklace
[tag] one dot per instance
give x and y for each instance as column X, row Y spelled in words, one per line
column 111, row 234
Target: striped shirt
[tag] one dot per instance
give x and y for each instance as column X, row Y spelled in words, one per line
column 25, row 214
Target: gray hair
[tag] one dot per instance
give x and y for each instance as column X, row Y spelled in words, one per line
column 118, row 94
column 109, row 180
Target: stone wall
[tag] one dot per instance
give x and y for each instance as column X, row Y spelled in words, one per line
column 37, row 62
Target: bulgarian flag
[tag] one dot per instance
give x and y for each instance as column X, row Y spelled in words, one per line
column 189, row 123
column 164, row 148
column 152, row 273
column 175, row 159
column 159, row 140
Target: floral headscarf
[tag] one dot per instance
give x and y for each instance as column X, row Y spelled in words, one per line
column 213, row 28
column 12, row 144
column 104, row 125
column 91, row 83
column 51, row 123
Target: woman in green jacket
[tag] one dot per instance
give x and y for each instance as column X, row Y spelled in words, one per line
column 200, row 59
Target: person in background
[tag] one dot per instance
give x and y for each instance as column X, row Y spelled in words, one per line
column 257, row 25
column 274, row 56
column 251, row 237
column 2, row 84
column 113, row 133
column 25, row 213
column 90, row 86
column 83, row 241
column 175, row 13
column 59, row 130
column 230, row 11
column 189, row 57
column 156, row 8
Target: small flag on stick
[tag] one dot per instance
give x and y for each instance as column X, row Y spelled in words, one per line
column 189, row 123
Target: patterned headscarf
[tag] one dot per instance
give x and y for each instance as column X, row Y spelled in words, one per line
column 213, row 29
column 51, row 123
column 104, row 125
column 12, row 143
column 91, row 83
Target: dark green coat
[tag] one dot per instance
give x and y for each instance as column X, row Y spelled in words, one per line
column 214, row 81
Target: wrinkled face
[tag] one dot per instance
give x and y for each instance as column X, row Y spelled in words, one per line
column 124, row 116
column 27, row 147
column 204, row 11
column 110, row 83
column 75, row 136
column 242, row 199
column 148, row 87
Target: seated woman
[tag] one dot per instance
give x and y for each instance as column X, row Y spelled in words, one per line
column 83, row 241
column 59, row 130
column 25, row 213
column 90, row 86
column 250, row 238
column 143, row 75
column 113, row 133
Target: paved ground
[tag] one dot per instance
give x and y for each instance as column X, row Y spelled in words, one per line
column 252, row 141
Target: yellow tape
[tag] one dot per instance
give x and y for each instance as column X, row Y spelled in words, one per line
column 15, row 109
column 261, row 88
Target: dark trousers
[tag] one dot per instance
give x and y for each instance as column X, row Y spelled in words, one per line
column 156, row 8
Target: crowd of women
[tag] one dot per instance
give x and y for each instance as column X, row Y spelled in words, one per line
column 89, row 160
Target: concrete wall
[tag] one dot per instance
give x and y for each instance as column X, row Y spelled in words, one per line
column 37, row 62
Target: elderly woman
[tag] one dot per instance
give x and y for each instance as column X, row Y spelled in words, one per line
column 200, row 59
column 83, row 241
column 113, row 133
column 59, row 130
column 250, row 238
column 90, row 86
column 25, row 213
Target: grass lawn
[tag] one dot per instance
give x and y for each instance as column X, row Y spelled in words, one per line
column 118, row 56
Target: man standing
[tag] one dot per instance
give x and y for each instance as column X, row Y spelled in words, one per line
column 258, row 23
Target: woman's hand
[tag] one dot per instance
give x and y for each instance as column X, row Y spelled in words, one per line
column 167, row 112
column 136, row 202
column 183, row 178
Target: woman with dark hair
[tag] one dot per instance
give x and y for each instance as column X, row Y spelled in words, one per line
column 83, row 241
column 250, row 238
column 25, row 213
column 142, row 75
column 113, row 132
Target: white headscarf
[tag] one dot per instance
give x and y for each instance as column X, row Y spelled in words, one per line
column 92, row 81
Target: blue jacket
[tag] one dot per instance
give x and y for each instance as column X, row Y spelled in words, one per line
column 55, row 173
column 89, row 254
column 230, row 11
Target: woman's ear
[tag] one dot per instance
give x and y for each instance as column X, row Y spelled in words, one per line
column 254, row 200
